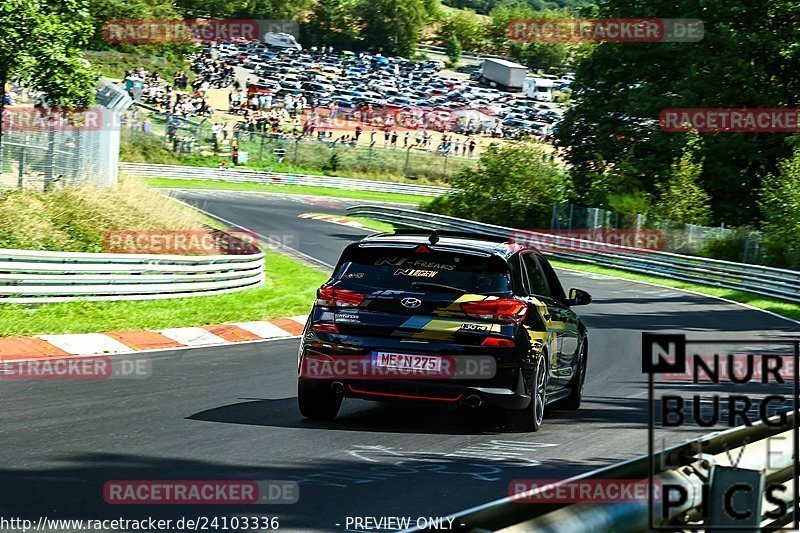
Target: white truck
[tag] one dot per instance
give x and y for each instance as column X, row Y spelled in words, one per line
column 502, row 74
column 282, row 40
column 540, row 89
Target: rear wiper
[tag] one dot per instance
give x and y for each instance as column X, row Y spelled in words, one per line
column 436, row 286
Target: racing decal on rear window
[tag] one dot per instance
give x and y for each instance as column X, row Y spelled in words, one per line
column 394, row 261
column 428, row 264
column 420, row 263
column 354, row 275
column 414, row 272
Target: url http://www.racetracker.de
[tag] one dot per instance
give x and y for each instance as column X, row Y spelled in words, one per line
column 196, row 523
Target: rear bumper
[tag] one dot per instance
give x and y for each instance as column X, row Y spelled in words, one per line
column 432, row 393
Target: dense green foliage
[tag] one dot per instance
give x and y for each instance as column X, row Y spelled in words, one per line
column 748, row 58
column 486, row 6
column 453, row 49
column 393, row 26
column 682, row 198
column 780, row 202
column 41, row 44
column 519, row 180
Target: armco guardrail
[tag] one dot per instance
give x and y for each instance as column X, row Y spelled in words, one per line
column 756, row 279
column 28, row 276
column 761, row 449
column 145, row 170
column 466, row 54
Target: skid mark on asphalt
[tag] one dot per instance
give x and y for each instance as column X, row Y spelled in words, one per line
column 486, row 461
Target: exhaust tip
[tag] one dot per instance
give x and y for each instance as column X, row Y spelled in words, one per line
column 337, row 387
column 473, row 400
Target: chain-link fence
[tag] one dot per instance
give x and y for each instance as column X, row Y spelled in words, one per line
column 733, row 244
column 379, row 159
column 41, row 149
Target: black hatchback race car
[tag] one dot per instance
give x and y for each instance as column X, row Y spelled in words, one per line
column 444, row 319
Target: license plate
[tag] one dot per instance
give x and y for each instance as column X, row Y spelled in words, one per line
column 404, row 361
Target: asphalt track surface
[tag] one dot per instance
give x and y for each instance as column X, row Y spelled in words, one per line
column 230, row 413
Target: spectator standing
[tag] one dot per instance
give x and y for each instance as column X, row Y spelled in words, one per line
column 215, row 131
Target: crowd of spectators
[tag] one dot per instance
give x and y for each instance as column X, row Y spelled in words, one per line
column 335, row 98
column 150, row 88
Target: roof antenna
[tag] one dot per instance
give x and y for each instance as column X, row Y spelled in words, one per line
column 433, row 238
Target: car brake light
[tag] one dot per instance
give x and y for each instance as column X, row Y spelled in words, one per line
column 325, row 327
column 507, row 310
column 497, row 342
column 332, row 296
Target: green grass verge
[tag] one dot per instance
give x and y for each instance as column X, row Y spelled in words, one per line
column 287, row 189
column 374, row 224
column 366, row 222
column 786, row 309
column 289, row 290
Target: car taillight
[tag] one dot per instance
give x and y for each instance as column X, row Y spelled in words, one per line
column 325, row 327
column 497, row 342
column 332, row 296
column 507, row 310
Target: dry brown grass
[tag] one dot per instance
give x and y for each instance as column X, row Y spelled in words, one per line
column 78, row 219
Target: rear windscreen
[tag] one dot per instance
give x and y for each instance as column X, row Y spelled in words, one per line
column 399, row 269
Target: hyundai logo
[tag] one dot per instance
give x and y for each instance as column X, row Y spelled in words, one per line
column 411, row 303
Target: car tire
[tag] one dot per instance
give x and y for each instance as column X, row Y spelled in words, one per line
column 531, row 418
column 317, row 401
column 573, row 401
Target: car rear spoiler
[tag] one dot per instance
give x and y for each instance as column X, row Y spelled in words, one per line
column 433, row 235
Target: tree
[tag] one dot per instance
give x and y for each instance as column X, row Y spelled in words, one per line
column 519, row 180
column 251, row 9
column 42, row 44
column 466, row 26
column 535, row 55
column 683, row 199
column 394, row 26
column 748, row 58
column 780, row 204
column 453, row 49
column 331, row 24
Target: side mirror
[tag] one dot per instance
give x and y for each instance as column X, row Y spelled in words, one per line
column 579, row 297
